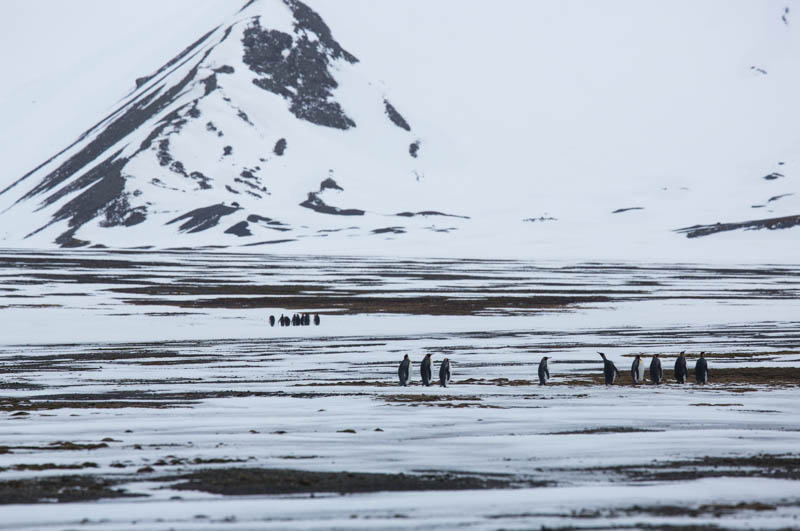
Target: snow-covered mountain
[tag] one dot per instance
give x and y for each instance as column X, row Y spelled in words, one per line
column 580, row 129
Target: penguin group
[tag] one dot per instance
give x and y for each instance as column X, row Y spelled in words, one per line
column 425, row 371
column 681, row 370
column 298, row 319
column 610, row 371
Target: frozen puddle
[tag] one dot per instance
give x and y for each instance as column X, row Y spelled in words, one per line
column 147, row 390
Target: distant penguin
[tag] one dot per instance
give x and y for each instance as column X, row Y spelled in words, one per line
column 282, row 320
column 701, row 369
column 316, row 319
column 272, row 320
column 444, row 372
column 544, row 372
column 425, row 370
column 609, row 370
column 681, row 371
column 306, row 319
column 656, row 372
column 404, row 372
column 637, row 370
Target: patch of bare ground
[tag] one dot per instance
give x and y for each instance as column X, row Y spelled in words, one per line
column 719, row 355
column 743, row 376
column 247, row 481
column 761, row 465
column 60, row 489
column 348, row 383
column 412, row 399
column 57, row 445
column 604, row 429
column 717, row 510
column 48, row 466
column 412, row 305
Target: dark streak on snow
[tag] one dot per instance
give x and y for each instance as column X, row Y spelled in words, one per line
column 429, row 213
column 280, row 147
column 413, row 149
column 396, row 118
column 392, row 230
column 240, row 229
column 621, row 210
column 269, row 222
column 785, row 222
column 204, row 218
column 270, row 242
column 315, row 203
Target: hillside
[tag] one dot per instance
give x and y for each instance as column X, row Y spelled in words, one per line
column 553, row 130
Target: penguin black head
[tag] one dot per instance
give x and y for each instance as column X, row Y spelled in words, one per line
column 655, row 355
column 702, row 354
column 603, row 355
column 683, row 352
column 638, row 357
column 405, row 357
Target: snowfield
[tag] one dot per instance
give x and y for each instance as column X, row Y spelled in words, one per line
column 143, row 368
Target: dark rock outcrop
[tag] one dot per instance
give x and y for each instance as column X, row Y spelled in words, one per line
column 204, row 218
column 297, row 68
column 785, row 222
column 396, row 118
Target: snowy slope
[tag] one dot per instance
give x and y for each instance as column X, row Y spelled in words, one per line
column 557, row 129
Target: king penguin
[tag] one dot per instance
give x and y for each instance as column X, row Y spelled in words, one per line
column 425, row 370
column 656, row 372
column 544, row 372
column 701, row 369
column 444, row 372
column 637, row 370
column 272, row 320
column 681, row 372
column 404, row 372
column 609, row 370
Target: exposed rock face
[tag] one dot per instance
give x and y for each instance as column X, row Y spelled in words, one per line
column 315, row 202
column 297, row 66
column 204, row 218
column 280, row 147
column 396, row 118
column 785, row 222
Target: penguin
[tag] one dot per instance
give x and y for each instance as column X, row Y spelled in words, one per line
column 701, row 369
column 272, row 320
column 544, row 372
column 404, row 372
column 316, row 319
column 681, row 372
column 444, row 372
column 609, row 369
column 656, row 372
column 637, row 370
column 425, row 370
column 282, row 320
column 306, row 319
